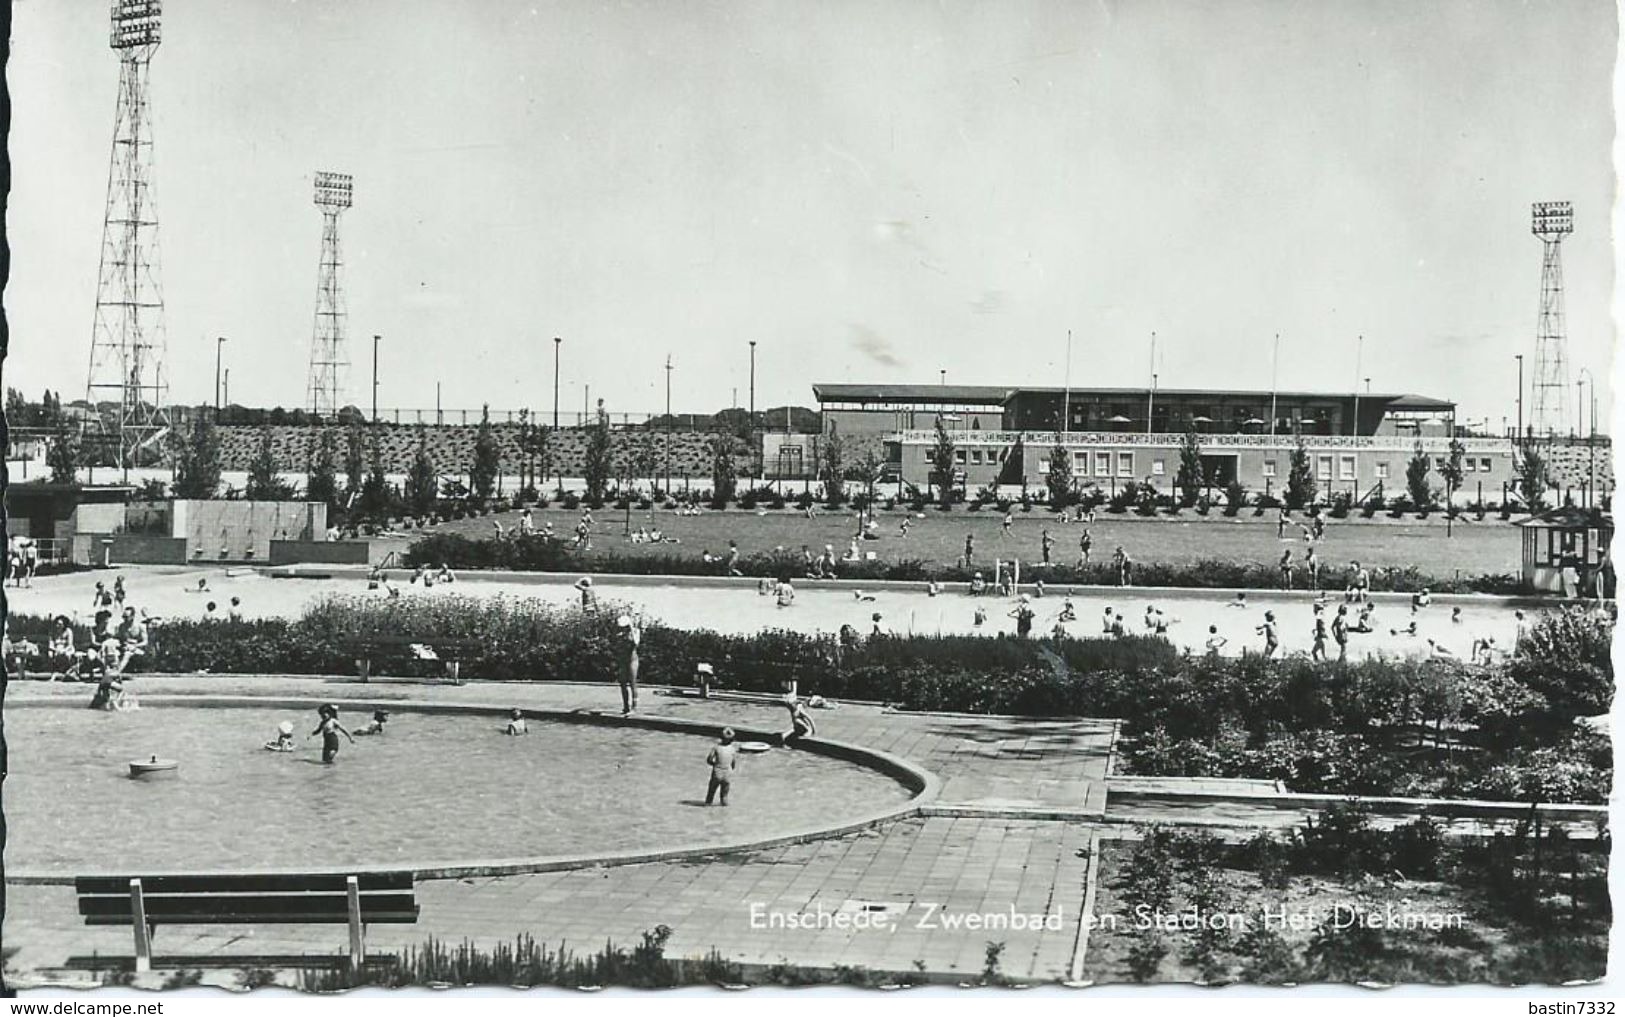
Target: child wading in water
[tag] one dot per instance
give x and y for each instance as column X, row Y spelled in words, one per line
column 330, row 729
column 723, row 760
column 516, row 724
column 375, row 726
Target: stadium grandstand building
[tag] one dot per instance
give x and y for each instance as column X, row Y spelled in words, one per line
column 1358, row 443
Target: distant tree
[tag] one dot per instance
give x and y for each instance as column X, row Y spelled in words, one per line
column 321, row 481
column 355, row 463
column 1453, row 472
column 597, row 465
column 62, row 455
column 1059, row 478
column 265, row 481
column 942, row 464
column 1300, row 479
column 830, row 469
column 482, row 475
column 1416, row 478
column 724, row 474
column 375, row 493
column 152, row 489
column 422, row 483
column 197, row 459
column 1190, row 478
column 1532, row 476
column 1013, row 469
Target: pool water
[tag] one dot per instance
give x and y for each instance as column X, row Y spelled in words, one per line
column 436, row 788
column 741, row 610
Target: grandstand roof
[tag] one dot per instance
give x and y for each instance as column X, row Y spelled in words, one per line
column 993, row 395
column 999, row 394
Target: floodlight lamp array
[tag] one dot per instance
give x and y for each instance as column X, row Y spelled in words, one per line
column 1552, row 218
column 333, row 190
column 135, row 23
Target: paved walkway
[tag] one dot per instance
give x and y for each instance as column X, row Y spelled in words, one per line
column 1008, row 835
column 926, row 874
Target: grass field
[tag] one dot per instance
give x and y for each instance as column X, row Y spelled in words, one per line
column 1474, row 548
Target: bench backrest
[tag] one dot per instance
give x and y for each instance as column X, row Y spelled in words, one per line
column 385, row 897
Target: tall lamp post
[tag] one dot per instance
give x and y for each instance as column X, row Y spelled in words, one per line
column 668, row 425
column 219, row 344
column 750, row 428
column 1519, row 358
column 1591, row 436
column 375, row 341
column 557, row 342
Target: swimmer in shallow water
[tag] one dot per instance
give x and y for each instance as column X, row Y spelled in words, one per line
column 516, row 724
column 375, row 726
column 330, row 729
column 283, row 742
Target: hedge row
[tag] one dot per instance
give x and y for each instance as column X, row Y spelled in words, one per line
column 538, row 554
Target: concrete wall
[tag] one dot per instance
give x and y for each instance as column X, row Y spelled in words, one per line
column 243, row 530
column 321, row 552
column 141, row 549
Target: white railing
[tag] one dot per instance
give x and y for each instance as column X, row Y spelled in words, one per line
column 1210, row 442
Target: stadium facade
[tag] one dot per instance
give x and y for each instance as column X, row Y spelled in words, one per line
column 1359, row 443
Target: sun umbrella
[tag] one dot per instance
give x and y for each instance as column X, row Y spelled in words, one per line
column 1253, row 420
column 1201, row 420
column 1118, row 419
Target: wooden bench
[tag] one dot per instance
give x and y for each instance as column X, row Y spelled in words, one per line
column 147, row 902
column 446, row 650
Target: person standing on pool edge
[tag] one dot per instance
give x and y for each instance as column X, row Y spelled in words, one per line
column 630, row 635
column 801, row 724
column 330, row 729
column 723, row 760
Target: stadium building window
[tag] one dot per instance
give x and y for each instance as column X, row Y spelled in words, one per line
column 1484, row 465
column 1345, row 468
column 1382, row 471
column 959, row 456
column 1125, row 464
column 1470, row 464
column 1323, row 467
column 1158, row 467
column 1269, row 467
column 1103, row 464
column 976, row 457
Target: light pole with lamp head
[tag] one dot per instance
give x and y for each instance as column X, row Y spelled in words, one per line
column 219, row 344
column 376, row 339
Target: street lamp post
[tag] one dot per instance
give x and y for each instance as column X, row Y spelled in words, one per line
column 375, row 340
column 668, row 425
column 557, row 342
column 750, row 426
column 219, row 344
column 226, row 387
column 1519, row 358
column 1591, row 437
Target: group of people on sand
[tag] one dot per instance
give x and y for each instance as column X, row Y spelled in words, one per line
column 22, row 555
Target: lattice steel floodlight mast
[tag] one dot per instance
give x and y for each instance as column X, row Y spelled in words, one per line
column 1551, row 222
column 127, row 343
column 329, row 355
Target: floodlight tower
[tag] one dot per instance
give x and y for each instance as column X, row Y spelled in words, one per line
column 1552, row 221
column 127, row 341
column 328, row 355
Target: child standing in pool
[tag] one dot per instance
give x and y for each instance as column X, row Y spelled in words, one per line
column 723, row 760
column 516, row 724
column 330, row 729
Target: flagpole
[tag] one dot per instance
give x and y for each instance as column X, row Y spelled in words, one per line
column 1275, row 367
column 1066, row 398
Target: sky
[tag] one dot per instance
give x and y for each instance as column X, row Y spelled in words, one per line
column 874, row 192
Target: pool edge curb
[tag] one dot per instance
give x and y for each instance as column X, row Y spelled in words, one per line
column 924, row 785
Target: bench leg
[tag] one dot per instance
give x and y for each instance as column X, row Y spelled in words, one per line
column 143, row 932
column 358, row 949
